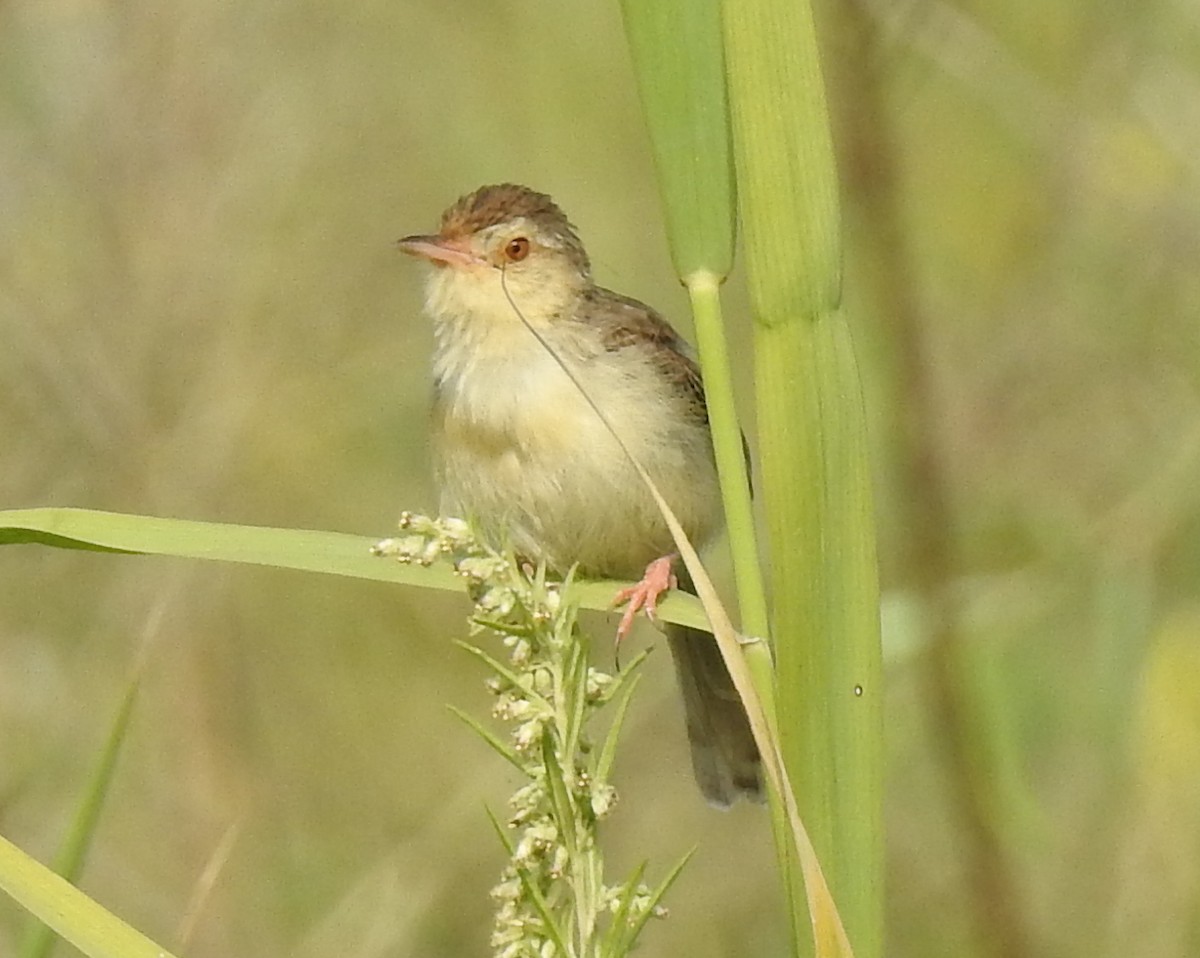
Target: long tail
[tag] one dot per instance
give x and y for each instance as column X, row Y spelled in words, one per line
column 724, row 757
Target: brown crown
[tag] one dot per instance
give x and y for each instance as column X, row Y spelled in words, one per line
column 493, row 205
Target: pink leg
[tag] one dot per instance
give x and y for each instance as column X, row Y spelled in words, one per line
column 657, row 579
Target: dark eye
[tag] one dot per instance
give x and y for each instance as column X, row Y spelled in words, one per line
column 516, row 249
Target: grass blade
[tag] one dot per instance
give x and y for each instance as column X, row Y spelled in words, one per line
column 677, row 57
column 501, row 748
column 616, row 940
column 69, row 862
column 608, row 752
column 333, row 553
column 499, row 668
column 72, row 914
column 656, row 896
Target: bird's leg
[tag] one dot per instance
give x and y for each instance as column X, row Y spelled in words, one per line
column 657, row 579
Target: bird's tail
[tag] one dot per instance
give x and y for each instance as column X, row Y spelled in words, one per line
column 725, row 758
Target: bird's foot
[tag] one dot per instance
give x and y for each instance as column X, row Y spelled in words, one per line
column 657, row 580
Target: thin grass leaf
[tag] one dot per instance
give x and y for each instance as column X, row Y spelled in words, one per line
column 501, row 832
column 332, row 553
column 828, row 931
column 614, row 942
column 498, row 625
column 72, row 914
column 69, row 861
column 579, row 664
column 630, row 669
column 627, row 674
column 501, row 748
column 553, row 931
column 500, row 669
column 655, row 897
column 205, row 884
column 560, row 797
column 608, row 752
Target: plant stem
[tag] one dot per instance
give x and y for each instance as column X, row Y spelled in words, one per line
column 813, row 474
column 704, row 289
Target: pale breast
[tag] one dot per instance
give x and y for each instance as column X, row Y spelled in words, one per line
column 525, row 457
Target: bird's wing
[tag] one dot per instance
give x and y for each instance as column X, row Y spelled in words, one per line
column 625, row 323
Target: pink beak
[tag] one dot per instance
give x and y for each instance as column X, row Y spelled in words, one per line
column 441, row 251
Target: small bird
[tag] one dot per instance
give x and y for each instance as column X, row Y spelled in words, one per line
column 523, row 337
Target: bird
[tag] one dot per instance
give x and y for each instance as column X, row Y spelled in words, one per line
column 545, row 385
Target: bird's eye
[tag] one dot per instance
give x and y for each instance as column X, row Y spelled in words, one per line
column 516, row 249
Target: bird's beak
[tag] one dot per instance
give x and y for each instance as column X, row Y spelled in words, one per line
column 440, row 250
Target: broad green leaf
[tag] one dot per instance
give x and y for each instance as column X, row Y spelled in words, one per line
column 783, row 151
column 813, row 480
column 676, row 50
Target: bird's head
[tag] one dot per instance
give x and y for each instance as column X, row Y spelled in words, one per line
column 504, row 237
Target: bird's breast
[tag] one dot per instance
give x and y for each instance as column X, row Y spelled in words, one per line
column 505, row 397
column 525, row 456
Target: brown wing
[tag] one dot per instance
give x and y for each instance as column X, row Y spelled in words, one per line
column 625, row 323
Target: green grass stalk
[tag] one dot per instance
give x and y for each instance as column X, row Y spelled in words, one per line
column 40, row 938
column 813, row 480
column 703, row 288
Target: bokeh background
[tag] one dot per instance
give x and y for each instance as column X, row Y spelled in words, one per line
column 202, row 316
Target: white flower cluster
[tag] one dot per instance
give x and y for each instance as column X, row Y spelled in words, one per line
column 551, row 901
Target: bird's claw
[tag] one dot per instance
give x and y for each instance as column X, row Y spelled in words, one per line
column 657, row 580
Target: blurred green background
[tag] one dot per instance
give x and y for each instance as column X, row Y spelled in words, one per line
column 202, row 315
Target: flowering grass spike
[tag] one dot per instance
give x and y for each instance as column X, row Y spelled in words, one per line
column 551, row 900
